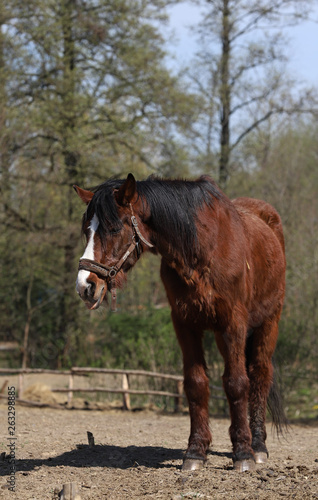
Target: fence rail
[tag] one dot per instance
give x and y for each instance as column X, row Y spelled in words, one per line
column 125, row 389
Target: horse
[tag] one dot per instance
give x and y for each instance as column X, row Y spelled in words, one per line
column 223, row 269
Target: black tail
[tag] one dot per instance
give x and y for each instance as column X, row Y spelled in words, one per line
column 275, row 404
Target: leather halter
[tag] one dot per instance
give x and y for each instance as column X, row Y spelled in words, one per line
column 108, row 273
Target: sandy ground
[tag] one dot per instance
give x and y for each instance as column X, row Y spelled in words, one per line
column 139, row 454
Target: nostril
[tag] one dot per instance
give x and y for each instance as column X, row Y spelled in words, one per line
column 90, row 290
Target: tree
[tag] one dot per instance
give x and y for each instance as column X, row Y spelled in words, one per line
column 240, row 72
column 89, row 97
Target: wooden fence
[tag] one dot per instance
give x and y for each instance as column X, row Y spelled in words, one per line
column 125, row 389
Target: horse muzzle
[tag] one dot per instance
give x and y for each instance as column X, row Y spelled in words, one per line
column 92, row 291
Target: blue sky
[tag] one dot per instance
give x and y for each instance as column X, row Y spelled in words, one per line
column 303, row 49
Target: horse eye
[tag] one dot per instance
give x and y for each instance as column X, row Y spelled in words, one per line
column 113, row 232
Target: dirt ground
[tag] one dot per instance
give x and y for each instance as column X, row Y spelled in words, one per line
column 139, row 454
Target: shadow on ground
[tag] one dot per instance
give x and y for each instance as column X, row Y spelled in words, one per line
column 103, row 456
column 107, row 456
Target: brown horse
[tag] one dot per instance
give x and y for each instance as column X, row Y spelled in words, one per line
column 223, row 268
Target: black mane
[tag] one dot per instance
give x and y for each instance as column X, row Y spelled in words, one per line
column 173, row 206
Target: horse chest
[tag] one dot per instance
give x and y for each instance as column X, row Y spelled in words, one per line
column 194, row 298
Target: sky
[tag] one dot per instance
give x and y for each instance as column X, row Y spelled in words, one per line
column 303, row 49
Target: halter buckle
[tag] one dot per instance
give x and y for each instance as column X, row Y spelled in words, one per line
column 134, row 221
column 112, row 272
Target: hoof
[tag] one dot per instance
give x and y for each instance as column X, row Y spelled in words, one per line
column 192, row 464
column 244, row 465
column 260, row 457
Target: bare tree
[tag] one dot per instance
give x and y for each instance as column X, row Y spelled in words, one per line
column 241, row 70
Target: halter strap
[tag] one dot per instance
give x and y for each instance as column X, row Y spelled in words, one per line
column 108, row 273
column 136, row 228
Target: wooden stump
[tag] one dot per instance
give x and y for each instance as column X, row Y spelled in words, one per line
column 69, row 492
column 91, row 441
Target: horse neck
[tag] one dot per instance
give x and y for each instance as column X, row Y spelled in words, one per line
column 172, row 212
column 170, row 254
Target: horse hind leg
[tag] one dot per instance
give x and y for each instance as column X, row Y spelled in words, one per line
column 259, row 351
column 231, row 344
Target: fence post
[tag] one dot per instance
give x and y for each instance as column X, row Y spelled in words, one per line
column 178, row 403
column 4, row 386
column 70, row 386
column 126, row 397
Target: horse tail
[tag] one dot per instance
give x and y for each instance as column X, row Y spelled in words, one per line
column 275, row 405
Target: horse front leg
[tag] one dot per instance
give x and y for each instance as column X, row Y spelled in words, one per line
column 196, row 387
column 236, row 385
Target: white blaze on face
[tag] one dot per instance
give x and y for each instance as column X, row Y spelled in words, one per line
column 82, row 276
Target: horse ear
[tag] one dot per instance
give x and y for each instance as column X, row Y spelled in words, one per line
column 127, row 191
column 84, row 195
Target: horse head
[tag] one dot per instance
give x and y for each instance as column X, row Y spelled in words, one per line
column 111, row 224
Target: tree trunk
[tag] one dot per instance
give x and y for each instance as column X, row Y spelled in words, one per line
column 26, row 341
column 225, row 98
column 28, row 323
column 5, row 186
column 68, row 314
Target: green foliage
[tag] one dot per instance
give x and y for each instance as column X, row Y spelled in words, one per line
column 144, row 340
